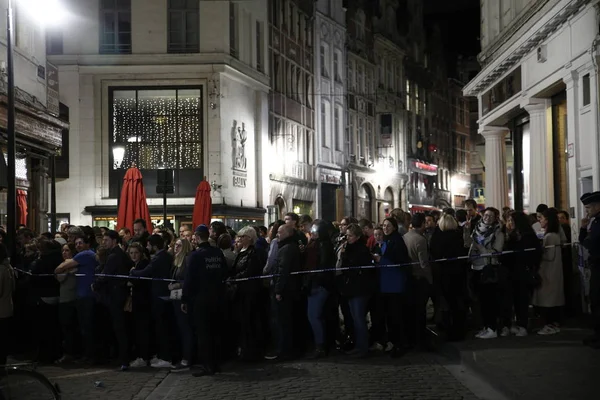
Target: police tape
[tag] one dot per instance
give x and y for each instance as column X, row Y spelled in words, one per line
column 305, row 272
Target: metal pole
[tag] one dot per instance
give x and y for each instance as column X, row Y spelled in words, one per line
column 11, row 199
column 53, row 195
column 165, row 225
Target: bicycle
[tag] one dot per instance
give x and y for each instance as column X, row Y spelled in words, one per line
column 19, row 383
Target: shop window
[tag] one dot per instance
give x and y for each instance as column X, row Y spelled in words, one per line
column 157, row 128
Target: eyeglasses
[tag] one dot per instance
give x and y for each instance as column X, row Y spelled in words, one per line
column 178, row 244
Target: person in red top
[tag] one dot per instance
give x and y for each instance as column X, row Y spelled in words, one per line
column 367, row 228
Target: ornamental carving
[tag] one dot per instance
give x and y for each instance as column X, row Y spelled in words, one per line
column 239, row 137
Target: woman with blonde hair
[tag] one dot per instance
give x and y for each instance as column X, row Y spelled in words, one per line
column 450, row 277
column 181, row 249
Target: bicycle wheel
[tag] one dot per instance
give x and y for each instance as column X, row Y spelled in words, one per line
column 19, row 384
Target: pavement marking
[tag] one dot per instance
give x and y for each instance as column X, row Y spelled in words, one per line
column 102, row 371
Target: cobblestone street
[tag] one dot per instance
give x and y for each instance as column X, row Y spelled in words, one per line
column 416, row 376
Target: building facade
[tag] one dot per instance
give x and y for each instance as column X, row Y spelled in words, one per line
column 460, row 168
column 176, row 85
column 538, row 102
column 40, row 124
column 330, row 99
column 289, row 145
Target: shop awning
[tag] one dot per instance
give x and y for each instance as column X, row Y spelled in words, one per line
column 421, row 208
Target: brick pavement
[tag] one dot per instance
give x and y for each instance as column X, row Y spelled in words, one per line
column 534, row 367
column 78, row 383
column 416, row 376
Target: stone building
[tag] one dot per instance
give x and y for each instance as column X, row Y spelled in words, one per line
column 538, row 102
column 181, row 85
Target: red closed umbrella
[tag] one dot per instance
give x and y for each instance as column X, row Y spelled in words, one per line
column 22, row 207
column 202, row 205
column 133, row 203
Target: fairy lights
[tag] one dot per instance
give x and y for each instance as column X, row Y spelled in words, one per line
column 159, row 128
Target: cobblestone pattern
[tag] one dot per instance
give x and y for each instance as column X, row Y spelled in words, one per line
column 413, row 377
column 80, row 384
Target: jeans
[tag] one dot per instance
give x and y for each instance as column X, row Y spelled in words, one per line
column 185, row 331
column 316, row 302
column 358, row 309
column 85, row 315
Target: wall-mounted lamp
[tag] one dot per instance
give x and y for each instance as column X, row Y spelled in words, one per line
column 214, row 186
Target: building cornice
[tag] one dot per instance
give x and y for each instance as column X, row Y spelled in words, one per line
column 161, row 63
column 509, row 58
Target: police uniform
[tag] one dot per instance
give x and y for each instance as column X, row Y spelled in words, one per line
column 204, row 294
column 589, row 237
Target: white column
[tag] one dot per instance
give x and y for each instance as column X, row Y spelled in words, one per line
column 496, row 178
column 541, row 181
column 572, row 82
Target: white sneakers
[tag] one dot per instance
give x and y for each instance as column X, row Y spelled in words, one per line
column 520, row 331
column 487, row 333
column 505, row 332
column 158, row 363
column 138, row 363
column 376, row 347
column 549, row 330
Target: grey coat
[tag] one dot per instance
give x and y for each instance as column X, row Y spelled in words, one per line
column 551, row 291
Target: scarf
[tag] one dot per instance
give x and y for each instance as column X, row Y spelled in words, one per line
column 483, row 232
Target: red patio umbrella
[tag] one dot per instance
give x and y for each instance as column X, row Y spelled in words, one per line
column 22, row 207
column 202, row 205
column 133, row 203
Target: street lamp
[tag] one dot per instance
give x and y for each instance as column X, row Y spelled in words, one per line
column 118, row 157
column 42, row 10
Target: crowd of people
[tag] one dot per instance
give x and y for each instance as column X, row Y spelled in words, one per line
column 298, row 287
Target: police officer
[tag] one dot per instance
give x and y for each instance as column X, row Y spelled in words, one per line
column 589, row 237
column 204, row 297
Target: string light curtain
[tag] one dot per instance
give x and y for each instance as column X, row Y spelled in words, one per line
column 159, row 128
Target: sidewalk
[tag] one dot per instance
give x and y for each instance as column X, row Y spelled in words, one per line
column 534, row 367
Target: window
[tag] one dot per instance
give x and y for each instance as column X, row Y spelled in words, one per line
column 309, row 93
column 300, row 32
column 351, row 82
column 291, row 21
column 158, row 128
column 277, row 75
column 360, row 79
column 352, row 135
column 54, row 41
column 417, row 105
column 336, row 66
column 259, row 47
column 233, row 32
column 408, row 98
column 370, row 155
column 308, row 32
column 360, row 25
column 585, row 89
column 337, row 126
column 324, row 128
column 323, row 59
column 390, row 76
column 299, row 83
column 184, row 26
column 275, row 12
column 360, row 142
column 381, row 72
column 115, row 26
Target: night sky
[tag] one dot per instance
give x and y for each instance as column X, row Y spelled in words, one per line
column 458, row 21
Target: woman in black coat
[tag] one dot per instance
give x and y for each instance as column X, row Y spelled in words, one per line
column 248, row 263
column 447, row 242
column 357, row 284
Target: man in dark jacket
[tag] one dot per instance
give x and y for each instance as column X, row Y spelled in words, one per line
column 589, row 237
column 159, row 269
column 117, row 263
column 204, row 298
column 286, row 288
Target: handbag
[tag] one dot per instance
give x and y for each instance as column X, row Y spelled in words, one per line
column 532, row 277
column 176, row 294
column 490, row 274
